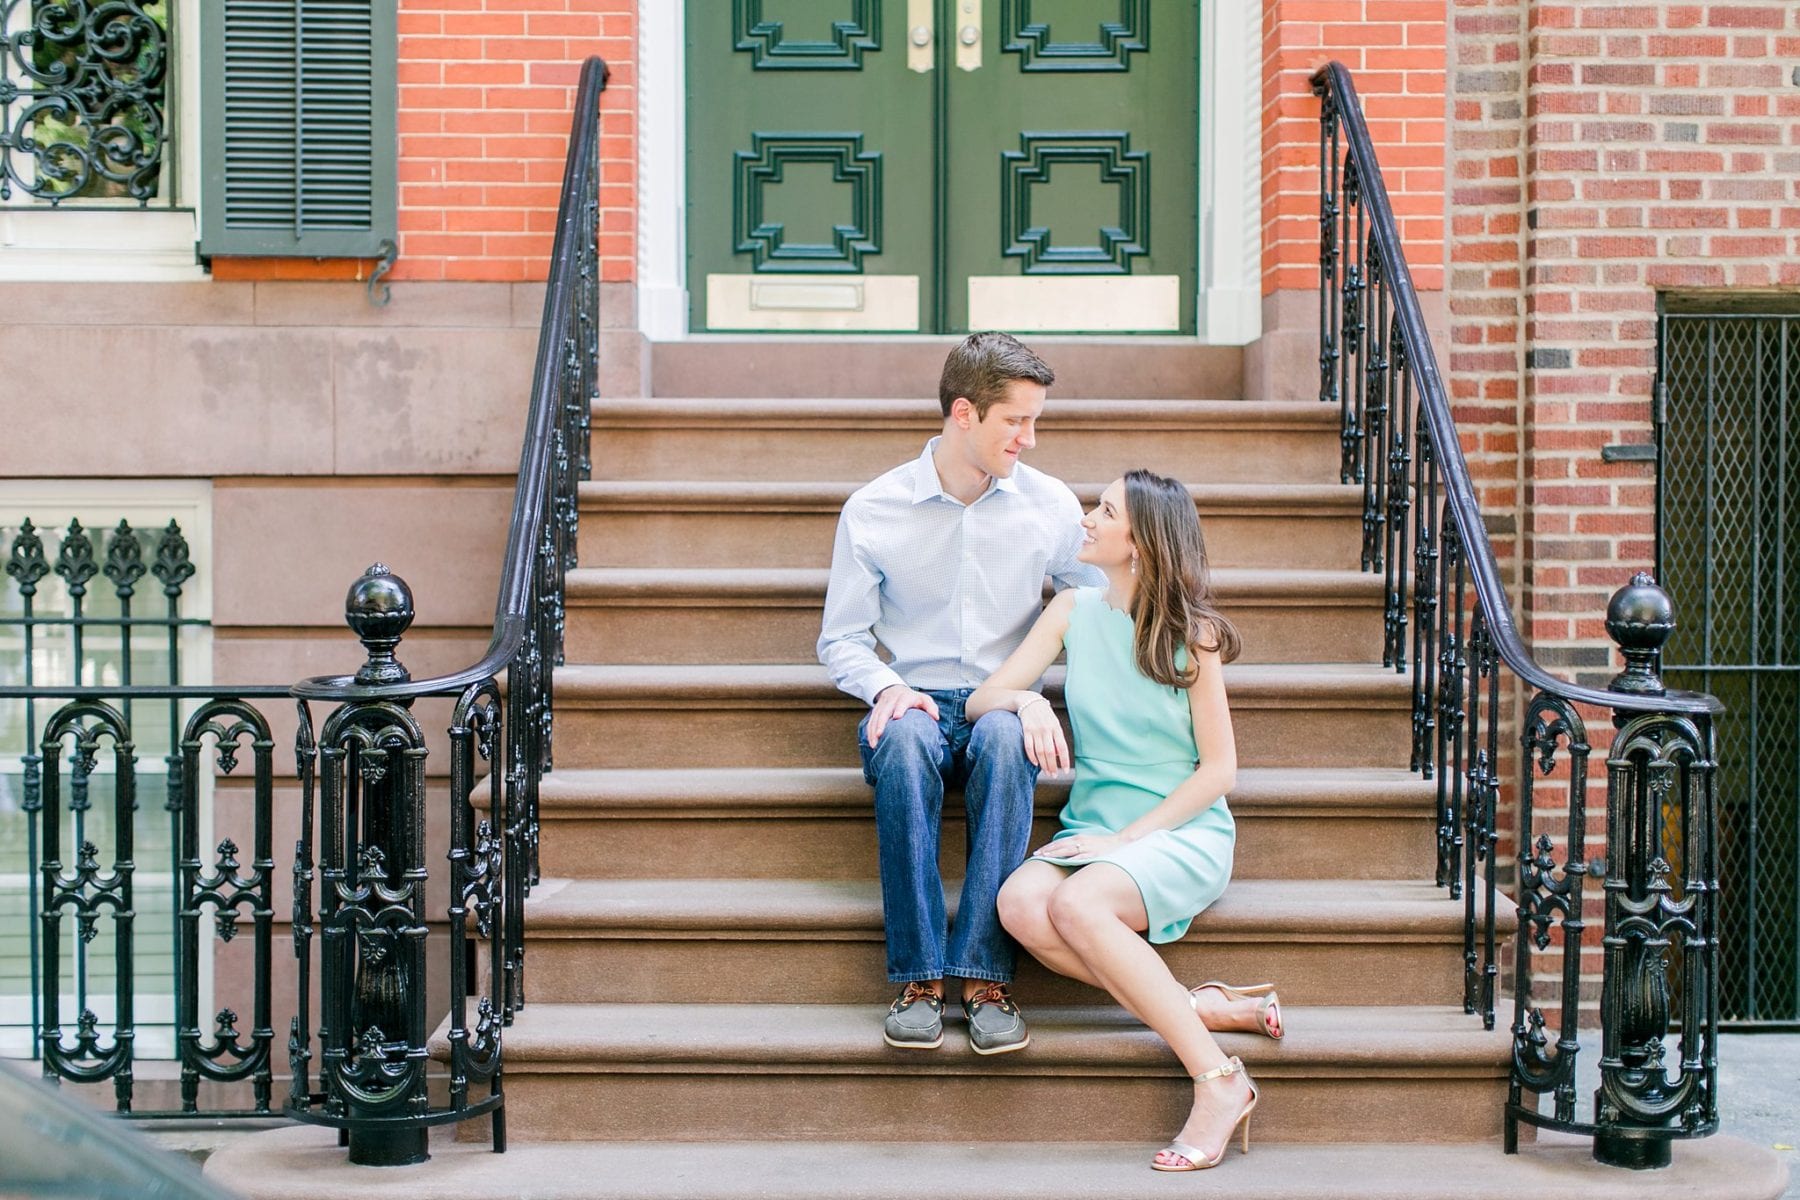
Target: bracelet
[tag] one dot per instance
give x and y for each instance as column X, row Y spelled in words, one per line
column 1027, row 703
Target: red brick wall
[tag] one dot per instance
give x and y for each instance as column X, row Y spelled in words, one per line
column 1396, row 51
column 485, row 92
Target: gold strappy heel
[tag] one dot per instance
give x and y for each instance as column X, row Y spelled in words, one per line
column 1190, row 1158
column 1271, row 1002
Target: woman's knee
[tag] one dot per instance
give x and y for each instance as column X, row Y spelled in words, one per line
column 1076, row 908
column 1022, row 905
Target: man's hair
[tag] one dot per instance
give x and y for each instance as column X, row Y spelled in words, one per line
column 981, row 366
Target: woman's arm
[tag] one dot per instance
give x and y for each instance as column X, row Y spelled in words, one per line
column 1008, row 689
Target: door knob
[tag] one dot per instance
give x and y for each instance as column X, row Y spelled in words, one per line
column 968, row 36
column 921, row 21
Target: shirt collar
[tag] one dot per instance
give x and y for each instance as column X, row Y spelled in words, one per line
column 927, row 485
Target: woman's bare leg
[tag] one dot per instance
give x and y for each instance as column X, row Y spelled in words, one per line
column 1024, row 904
column 1098, row 913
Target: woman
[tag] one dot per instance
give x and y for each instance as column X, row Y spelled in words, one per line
column 1147, row 839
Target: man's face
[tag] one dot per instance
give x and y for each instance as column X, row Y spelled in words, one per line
column 1010, row 428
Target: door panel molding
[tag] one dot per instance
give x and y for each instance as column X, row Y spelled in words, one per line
column 765, row 239
column 772, row 50
column 1110, row 51
column 1046, row 253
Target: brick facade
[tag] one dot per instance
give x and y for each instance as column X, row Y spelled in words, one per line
column 1396, row 50
column 485, row 92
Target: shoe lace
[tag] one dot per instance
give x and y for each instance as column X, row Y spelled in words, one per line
column 915, row 992
column 994, row 993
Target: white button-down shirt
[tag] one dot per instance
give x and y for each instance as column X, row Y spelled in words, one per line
column 948, row 589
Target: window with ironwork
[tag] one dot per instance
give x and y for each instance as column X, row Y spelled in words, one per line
column 84, row 98
column 105, row 593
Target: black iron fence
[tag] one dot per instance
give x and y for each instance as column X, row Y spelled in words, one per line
column 1448, row 622
column 364, row 937
column 1728, row 531
column 110, row 888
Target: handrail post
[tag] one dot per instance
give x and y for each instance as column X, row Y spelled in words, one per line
column 1660, row 890
column 371, row 852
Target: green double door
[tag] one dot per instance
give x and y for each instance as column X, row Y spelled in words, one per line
column 942, row 165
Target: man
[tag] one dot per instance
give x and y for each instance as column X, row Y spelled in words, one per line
column 942, row 561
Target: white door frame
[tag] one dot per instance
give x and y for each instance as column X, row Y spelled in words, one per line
column 1229, row 304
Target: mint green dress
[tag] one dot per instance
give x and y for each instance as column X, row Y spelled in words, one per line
column 1134, row 743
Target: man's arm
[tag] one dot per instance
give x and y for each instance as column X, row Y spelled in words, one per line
column 852, row 606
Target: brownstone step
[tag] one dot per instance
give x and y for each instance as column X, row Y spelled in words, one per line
column 1320, row 715
column 765, row 1070
column 306, row 1163
column 715, row 941
column 761, row 524
column 1199, row 441
column 772, row 614
column 834, row 365
column 818, row 823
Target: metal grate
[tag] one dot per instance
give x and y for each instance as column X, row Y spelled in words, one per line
column 1728, row 536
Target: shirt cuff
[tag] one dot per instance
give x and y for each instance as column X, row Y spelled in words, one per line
column 877, row 683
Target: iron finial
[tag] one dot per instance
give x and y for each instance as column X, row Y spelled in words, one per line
column 1640, row 618
column 379, row 609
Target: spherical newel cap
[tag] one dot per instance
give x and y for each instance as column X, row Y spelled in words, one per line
column 1640, row 619
column 379, row 609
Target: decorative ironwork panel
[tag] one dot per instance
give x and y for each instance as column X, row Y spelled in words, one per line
column 87, row 890
column 80, row 621
column 772, row 49
column 228, row 893
column 1729, row 543
column 1039, row 48
column 760, row 231
column 82, row 99
column 1048, row 251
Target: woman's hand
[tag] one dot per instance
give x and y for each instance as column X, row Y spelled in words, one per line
column 1082, row 846
column 1045, row 746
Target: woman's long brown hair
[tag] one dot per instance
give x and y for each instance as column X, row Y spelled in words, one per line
column 1173, row 606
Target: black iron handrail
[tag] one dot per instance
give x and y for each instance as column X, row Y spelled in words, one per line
column 367, row 765
column 1423, row 531
column 570, row 257
column 1334, row 80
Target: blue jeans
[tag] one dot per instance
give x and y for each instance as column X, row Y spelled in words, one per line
column 909, row 768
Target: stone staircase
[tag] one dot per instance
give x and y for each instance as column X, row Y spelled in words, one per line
column 704, row 957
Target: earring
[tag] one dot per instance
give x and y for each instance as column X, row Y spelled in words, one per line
column 1134, row 564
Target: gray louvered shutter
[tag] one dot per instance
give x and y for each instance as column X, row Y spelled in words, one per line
column 297, row 127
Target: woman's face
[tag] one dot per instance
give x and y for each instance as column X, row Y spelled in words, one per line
column 1108, row 542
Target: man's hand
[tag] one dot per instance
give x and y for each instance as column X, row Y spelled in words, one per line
column 1045, row 746
column 893, row 700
